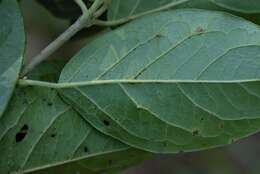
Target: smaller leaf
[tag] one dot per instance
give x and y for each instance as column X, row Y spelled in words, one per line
column 12, row 43
column 40, row 133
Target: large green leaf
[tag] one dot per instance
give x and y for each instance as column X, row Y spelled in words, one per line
column 40, row 133
column 12, row 41
column 175, row 81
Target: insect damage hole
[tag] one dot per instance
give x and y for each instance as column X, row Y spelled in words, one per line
column 86, row 149
column 22, row 133
column 106, row 122
column 195, row 132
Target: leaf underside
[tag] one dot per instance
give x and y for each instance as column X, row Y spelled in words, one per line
column 12, row 42
column 40, row 133
column 181, row 80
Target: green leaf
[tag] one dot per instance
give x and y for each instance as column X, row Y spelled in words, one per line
column 40, row 133
column 12, row 42
column 120, row 8
column 249, row 6
column 175, row 81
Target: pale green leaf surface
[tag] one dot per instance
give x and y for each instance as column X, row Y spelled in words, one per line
column 39, row 133
column 175, row 81
column 12, row 42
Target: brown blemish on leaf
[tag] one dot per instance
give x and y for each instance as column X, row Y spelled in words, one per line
column 195, row 132
column 200, row 30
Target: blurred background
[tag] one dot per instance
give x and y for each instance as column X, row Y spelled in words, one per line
column 242, row 157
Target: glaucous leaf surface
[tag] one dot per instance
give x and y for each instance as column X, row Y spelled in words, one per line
column 12, row 42
column 175, row 81
column 39, row 133
column 121, row 8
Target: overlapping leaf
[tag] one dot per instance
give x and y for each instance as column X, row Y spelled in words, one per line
column 39, row 133
column 176, row 81
column 249, row 6
column 121, row 8
column 12, row 41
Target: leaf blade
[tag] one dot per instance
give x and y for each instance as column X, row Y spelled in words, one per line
column 178, row 115
column 12, row 43
column 44, row 135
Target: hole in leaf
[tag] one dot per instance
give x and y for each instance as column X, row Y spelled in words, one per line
column 195, row 132
column 22, row 133
column 86, row 149
column 106, row 122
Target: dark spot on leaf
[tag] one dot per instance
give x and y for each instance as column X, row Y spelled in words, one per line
column 106, row 122
column 202, row 119
column 110, row 162
column 50, row 103
column 22, row 133
column 53, row 135
column 44, row 99
column 86, row 149
column 159, row 35
column 195, row 132
column 221, row 126
column 200, row 30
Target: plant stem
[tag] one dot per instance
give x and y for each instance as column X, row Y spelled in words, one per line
column 85, row 20
column 130, row 18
